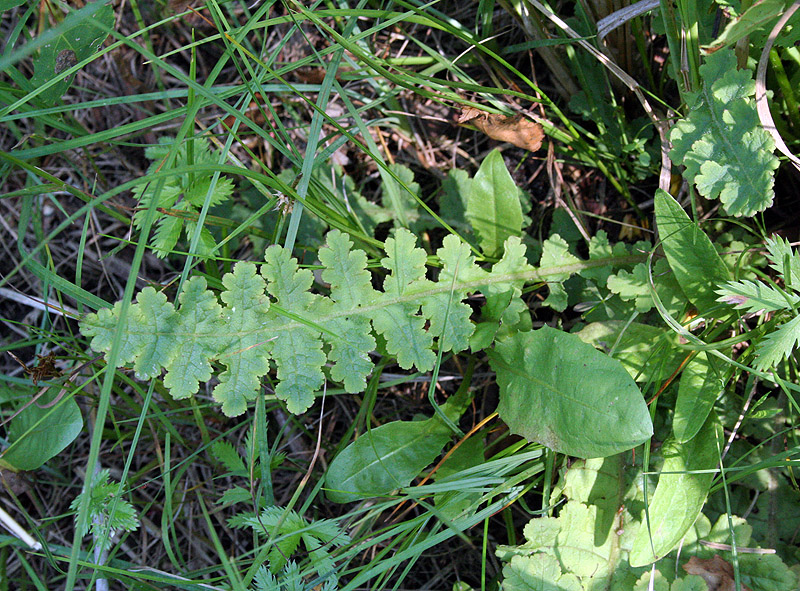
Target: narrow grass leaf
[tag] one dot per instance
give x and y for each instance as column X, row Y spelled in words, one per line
column 700, row 385
column 697, row 266
column 680, row 494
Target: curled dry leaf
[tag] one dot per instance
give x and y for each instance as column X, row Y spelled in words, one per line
column 716, row 572
column 515, row 129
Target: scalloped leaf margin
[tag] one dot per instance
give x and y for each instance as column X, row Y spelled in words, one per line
column 271, row 314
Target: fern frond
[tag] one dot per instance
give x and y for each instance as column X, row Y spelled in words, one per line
column 274, row 316
column 292, row 530
column 182, row 192
column 778, row 344
column 556, row 253
column 784, row 261
column 755, row 296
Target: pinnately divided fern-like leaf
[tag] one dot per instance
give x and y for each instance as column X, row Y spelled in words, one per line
column 755, row 296
column 727, row 154
column 272, row 314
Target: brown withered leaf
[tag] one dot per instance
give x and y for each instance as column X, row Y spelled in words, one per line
column 514, row 129
column 716, row 572
column 45, row 367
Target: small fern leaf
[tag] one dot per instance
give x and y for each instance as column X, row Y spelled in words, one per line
column 152, row 315
column 727, row 154
column 205, row 245
column 778, row 344
column 225, row 453
column 298, row 350
column 448, row 315
column 264, row 581
column 169, row 194
column 351, row 289
column 755, row 296
column 246, row 315
column 196, row 192
column 166, row 235
column 399, row 323
column 784, row 261
column 198, row 331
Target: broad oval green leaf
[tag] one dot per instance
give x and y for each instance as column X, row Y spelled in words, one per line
column 385, row 458
column 558, row 391
column 701, row 383
column 757, row 16
column 697, row 266
column 74, row 44
column 681, row 492
column 493, row 206
column 647, row 352
column 38, row 434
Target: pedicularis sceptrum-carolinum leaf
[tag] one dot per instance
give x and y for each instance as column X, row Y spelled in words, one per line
column 697, row 266
column 727, row 154
column 493, row 207
column 274, row 313
column 291, row 325
column 681, row 492
column 558, row 391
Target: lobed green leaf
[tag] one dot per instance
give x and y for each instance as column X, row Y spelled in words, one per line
column 274, row 316
column 726, row 152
